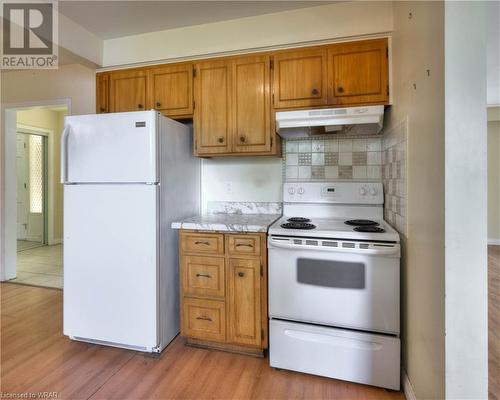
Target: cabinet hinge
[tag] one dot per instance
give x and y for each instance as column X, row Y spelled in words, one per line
column 262, row 334
column 273, row 98
column 194, row 104
column 271, row 64
column 194, row 72
column 24, row 145
column 387, row 90
column 271, row 140
column 387, row 52
column 261, row 270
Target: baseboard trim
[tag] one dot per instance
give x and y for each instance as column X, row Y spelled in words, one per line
column 407, row 387
column 495, row 242
column 57, row 241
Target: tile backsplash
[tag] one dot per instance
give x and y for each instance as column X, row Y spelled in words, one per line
column 394, row 176
column 332, row 158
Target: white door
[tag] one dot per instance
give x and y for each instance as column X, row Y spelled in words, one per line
column 110, row 264
column 117, row 147
column 22, row 186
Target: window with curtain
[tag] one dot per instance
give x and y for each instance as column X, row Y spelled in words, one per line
column 35, row 173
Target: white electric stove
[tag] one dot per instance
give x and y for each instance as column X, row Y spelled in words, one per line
column 334, row 284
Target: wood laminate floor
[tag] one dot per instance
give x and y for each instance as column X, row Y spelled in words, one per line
column 494, row 322
column 36, row 357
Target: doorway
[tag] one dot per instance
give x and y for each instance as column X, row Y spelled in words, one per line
column 34, row 139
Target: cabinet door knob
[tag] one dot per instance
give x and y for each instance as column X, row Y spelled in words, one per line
column 220, row 140
column 340, row 89
column 242, row 139
column 139, row 105
column 203, row 318
column 158, row 104
column 314, row 91
column 102, row 109
column 241, row 274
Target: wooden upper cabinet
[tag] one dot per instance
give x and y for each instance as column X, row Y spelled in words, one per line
column 251, row 104
column 358, row 72
column 102, row 93
column 245, row 301
column 128, row 91
column 212, row 113
column 300, row 78
column 171, row 90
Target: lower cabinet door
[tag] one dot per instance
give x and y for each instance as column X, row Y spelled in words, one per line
column 244, row 290
column 204, row 319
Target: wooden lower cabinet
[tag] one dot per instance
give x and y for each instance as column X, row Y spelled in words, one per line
column 224, row 295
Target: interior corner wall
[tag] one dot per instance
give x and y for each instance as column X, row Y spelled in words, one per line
column 418, row 101
column 466, row 267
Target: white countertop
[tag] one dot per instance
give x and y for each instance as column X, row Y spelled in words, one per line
column 228, row 222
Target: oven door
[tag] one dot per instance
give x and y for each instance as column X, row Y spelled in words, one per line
column 345, row 284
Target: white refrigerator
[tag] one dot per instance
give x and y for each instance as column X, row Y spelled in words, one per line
column 126, row 177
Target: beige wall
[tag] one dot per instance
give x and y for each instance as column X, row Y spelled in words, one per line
column 74, row 82
column 54, row 121
column 494, row 182
column 418, row 45
column 325, row 22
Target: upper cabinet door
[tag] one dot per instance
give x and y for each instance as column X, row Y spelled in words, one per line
column 251, row 104
column 128, row 91
column 102, row 89
column 358, row 72
column 300, row 78
column 171, row 89
column 212, row 113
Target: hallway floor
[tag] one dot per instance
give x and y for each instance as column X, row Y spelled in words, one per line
column 40, row 266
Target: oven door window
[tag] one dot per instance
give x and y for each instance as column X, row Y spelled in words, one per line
column 330, row 273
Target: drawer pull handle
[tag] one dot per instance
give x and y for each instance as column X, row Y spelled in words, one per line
column 202, row 242
column 205, row 318
column 204, row 275
column 244, row 245
column 241, row 274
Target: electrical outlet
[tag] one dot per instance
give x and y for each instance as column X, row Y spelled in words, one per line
column 228, row 187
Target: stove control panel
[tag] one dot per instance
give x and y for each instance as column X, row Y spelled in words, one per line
column 334, row 192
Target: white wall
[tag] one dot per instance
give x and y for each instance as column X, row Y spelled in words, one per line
column 418, row 103
column 466, row 268
column 326, row 22
column 249, row 178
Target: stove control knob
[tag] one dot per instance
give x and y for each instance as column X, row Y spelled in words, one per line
column 373, row 191
column 362, row 191
column 291, row 190
column 300, row 190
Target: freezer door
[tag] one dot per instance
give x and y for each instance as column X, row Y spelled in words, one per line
column 110, row 264
column 104, row 148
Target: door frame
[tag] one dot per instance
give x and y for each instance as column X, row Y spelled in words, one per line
column 8, row 203
column 48, row 177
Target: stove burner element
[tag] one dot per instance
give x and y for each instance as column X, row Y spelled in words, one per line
column 371, row 229
column 361, row 222
column 298, row 219
column 298, row 225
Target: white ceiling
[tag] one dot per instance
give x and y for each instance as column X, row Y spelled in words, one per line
column 112, row 19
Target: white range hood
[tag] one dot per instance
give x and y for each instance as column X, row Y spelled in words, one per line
column 352, row 120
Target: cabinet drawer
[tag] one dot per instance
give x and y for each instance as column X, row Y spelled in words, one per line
column 204, row 319
column 202, row 243
column 244, row 245
column 203, row 276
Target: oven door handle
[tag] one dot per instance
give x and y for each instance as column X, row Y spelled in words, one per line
column 384, row 251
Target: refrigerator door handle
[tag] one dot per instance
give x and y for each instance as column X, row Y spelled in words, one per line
column 64, row 157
